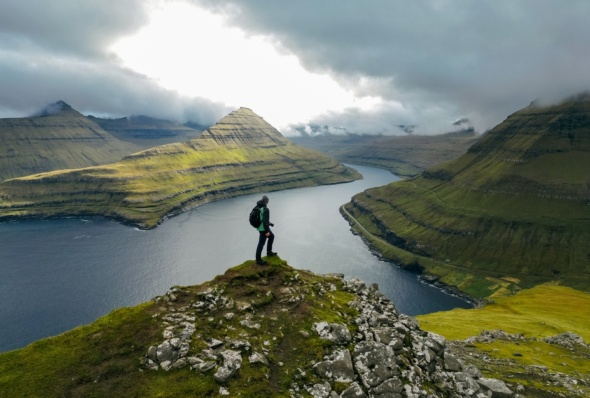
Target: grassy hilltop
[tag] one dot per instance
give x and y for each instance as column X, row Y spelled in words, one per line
column 272, row 315
column 514, row 211
column 239, row 155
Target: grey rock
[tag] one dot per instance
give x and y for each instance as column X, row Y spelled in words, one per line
column 166, row 353
column 214, row 343
column 498, row 388
column 567, row 339
column 353, row 391
column 337, row 367
column 473, row 371
column 355, row 285
column 320, row 390
column 388, row 336
column 452, row 364
column 337, row 333
column 389, row 388
column 152, row 353
column 436, row 343
column 374, row 362
column 257, row 357
column 182, row 362
column 241, row 345
column 166, row 365
column 465, row 384
column 232, row 361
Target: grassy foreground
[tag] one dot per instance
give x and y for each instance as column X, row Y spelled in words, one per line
column 537, row 313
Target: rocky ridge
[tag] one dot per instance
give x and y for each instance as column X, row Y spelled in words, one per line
column 371, row 350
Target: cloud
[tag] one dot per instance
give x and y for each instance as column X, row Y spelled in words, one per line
column 427, row 63
column 479, row 59
column 61, row 52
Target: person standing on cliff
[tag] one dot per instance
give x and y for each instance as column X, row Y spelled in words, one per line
column 264, row 232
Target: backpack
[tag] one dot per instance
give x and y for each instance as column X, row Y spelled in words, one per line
column 255, row 219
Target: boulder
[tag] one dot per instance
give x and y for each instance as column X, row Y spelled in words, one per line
column 232, row 361
column 336, row 367
column 353, row 391
column 498, row 388
column 374, row 362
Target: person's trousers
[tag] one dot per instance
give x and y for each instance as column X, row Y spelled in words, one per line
column 261, row 241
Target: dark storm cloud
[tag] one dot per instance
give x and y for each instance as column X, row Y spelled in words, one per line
column 432, row 61
column 53, row 51
column 479, row 59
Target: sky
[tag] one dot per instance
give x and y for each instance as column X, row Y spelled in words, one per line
column 363, row 67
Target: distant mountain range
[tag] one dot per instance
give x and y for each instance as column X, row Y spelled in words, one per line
column 512, row 212
column 406, row 156
column 241, row 154
column 147, row 131
column 59, row 137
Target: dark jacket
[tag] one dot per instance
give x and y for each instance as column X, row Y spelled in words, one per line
column 265, row 225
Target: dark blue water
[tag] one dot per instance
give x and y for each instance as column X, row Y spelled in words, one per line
column 56, row 275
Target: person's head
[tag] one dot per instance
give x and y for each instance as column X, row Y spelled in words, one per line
column 264, row 199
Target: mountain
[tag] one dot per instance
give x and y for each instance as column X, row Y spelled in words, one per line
column 512, row 212
column 58, row 137
column 241, row 154
column 405, row 156
column 271, row 331
column 147, row 131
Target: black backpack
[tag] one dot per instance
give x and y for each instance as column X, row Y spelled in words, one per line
column 254, row 218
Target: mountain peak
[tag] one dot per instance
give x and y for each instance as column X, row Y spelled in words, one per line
column 244, row 127
column 57, row 108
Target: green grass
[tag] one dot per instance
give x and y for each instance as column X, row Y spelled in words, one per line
column 542, row 311
column 537, row 313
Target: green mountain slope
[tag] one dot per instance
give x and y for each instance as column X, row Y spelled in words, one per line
column 402, row 155
column 59, row 139
column 512, row 212
column 241, row 154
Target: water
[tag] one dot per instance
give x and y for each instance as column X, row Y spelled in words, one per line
column 58, row 274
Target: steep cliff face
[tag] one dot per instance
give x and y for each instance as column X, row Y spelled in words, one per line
column 512, row 212
column 242, row 154
column 58, row 138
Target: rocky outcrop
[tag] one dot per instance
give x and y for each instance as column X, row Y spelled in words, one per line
column 378, row 352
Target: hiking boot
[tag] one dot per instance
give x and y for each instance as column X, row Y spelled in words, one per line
column 261, row 262
column 270, row 254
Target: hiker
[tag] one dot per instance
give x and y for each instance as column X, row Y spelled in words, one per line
column 264, row 232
